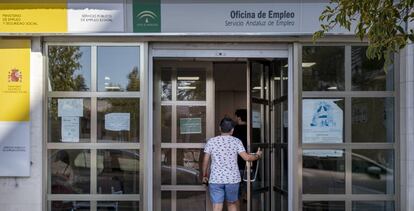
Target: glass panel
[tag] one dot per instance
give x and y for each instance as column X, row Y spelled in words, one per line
column 370, row 75
column 67, row 121
column 118, row 171
column 257, row 123
column 118, row 120
column 166, row 84
column 373, row 120
column 256, row 80
column 118, row 69
column 70, row 205
column 323, row 68
column 191, row 84
column 69, row 68
column 373, row 171
column 69, row 171
column 373, row 206
column 322, row 121
column 118, row 206
column 188, row 166
column 323, row 206
column 191, row 124
column 191, row 200
column 323, row 171
column 166, row 173
column 165, row 200
column 166, row 121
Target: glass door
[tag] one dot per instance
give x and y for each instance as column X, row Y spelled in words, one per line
column 183, row 118
column 279, row 134
column 259, row 184
column 268, row 181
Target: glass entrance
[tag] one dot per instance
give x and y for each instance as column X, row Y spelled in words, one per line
column 191, row 95
column 267, row 189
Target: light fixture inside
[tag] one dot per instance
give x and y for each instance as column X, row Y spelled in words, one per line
column 187, row 87
column 332, row 88
column 308, row 64
column 188, row 78
column 278, row 78
column 112, row 87
column 304, row 64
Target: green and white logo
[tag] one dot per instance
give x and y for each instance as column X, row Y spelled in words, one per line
column 147, row 16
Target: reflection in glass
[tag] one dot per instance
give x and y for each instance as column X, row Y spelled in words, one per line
column 373, row 171
column 69, row 68
column 373, row 120
column 118, row 120
column 323, row 206
column 188, row 166
column 166, row 121
column 191, row 200
column 118, row 171
column 118, row 68
column 118, row 206
column 323, row 68
column 69, row 171
column 81, row 123
column 256, row 80
column 166, row 84
column 370, row 75
column 373, row 206
column 70, row 205
column 191, row 84
column 166, row 167
column 322, row 121
column 191, row 124
column 166, row 201
column 323, row 171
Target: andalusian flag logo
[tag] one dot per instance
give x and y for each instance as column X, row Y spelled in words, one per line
column 147, row 15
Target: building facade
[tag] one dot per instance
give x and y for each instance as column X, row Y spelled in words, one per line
column 107, row 105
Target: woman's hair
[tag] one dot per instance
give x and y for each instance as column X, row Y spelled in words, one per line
column 226, row 125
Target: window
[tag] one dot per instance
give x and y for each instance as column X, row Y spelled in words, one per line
column 93, row 126
column 349, row 147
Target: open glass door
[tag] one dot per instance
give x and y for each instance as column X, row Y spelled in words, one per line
column 259, row 188
column 267, row 189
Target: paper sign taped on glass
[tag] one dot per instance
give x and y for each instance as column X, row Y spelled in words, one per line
column 190, row 126
column 70, row 129
column 322, row 121
column 117, row 121
column 70, row 107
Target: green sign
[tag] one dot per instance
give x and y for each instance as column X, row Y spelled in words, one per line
column 147, row 15
column 190, row 125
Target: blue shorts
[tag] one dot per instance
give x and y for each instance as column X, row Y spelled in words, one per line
column 221, row 192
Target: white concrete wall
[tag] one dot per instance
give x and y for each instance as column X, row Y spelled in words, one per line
column 25, row 194
column 407, row 128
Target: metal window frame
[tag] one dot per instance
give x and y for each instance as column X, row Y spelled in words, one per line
column 93, row 145
column 348, row 145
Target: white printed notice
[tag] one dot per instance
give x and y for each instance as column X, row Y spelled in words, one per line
column 117, row 121
column 256, row 119
column 70, row 129
column 70, row 107
column 322, row 121
column 99, row 16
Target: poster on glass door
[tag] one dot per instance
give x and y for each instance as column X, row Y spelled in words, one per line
column 322, row 121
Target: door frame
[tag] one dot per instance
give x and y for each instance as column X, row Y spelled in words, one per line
column 219, row 51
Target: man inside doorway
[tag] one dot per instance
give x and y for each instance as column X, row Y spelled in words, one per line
column 224, row 178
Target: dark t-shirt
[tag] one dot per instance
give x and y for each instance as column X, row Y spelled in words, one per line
column 240, row 132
